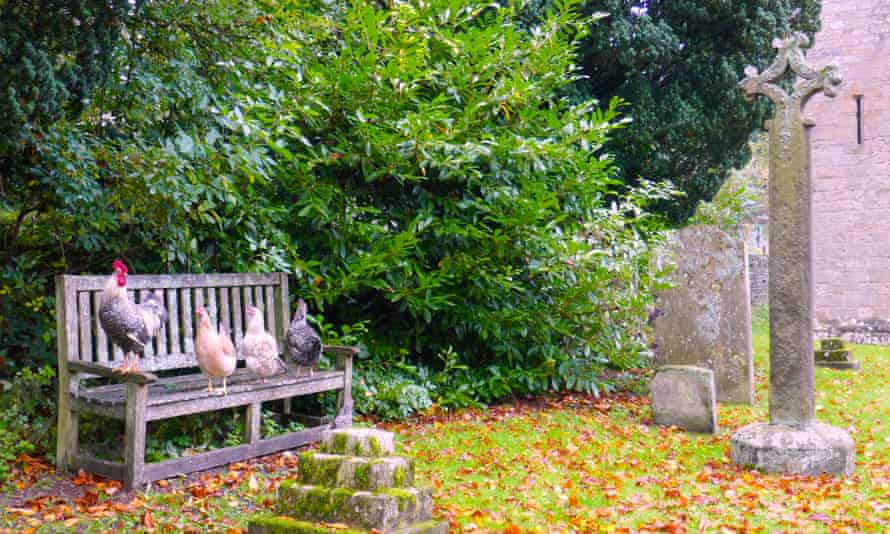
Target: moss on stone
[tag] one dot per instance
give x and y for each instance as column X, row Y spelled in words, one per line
column 375, row 445
column 398, row 476
column 339, row 443
column 319, row 471
column 362, row 476
column 357, row 448
column 404, row 497
column 288, row 525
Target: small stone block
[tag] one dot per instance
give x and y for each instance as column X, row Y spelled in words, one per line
column 366, row 442
column 811, row 450
column 837, row 355
column 268, row 524
column 851, row 365
column 385, row 510
column 832, row 343
column 684, row 396
column 352, row 472
column 427, row 527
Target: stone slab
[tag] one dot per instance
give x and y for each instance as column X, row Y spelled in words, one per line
column 850, row 365
column 366, row 442
column 705, row 319
column 812, row 450
column 269, row 524
column 386, row 510
column 684, row 396
column 354, row 472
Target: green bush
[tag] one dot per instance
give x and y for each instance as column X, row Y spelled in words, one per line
column 415, row 168
column 27, row 416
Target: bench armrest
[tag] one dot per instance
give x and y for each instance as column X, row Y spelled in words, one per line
column 137, row 377
column 341, row 350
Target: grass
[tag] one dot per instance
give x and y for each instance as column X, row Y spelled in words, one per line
column 571, row 463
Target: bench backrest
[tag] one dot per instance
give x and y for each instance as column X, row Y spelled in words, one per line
column 226, row 297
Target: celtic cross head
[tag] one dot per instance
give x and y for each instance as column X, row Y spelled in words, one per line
column 790, row 56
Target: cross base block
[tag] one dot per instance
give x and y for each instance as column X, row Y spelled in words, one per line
column 812, row 450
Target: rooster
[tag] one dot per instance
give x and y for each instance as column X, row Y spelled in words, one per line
column 214, row 351
column 259, row 349
column 303, row 343
column 128, row 325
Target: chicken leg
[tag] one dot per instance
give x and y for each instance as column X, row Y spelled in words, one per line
column 210, row 383
column 126, row 367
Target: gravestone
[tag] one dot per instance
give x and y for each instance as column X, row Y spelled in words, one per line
column 833, row 353
column 355, row 484
column 705, row 318
column 792, row 442
column 684, row 396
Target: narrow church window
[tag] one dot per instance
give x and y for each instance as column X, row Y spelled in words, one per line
column 858, row 119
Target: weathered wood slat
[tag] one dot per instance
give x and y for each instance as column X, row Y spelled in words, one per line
column 206, row 460
column 137, row 377
column 149, row 281
column 192, row 386
column 269, row 311
column 211, row 304
column 252, row 423
column 161, row 339
column 225, row 314
column 84, row 322
column 238, row 315
column 173, row 321
column 283, row 304
column 66, row 331
column 259, row 302
column 188, row 328
column 149, row 349
column 240, row 398
column 101, row 338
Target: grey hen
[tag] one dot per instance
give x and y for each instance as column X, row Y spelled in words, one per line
column 303, row 343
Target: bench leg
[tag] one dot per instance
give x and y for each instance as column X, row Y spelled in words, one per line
column 344, row 398
column 135, row 425
column 252, row 423
column 66, row 438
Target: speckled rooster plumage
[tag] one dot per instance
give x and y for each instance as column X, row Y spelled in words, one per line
column 128, row 325
column 304, row 345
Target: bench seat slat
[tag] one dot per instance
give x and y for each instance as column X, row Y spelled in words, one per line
column 187, row 394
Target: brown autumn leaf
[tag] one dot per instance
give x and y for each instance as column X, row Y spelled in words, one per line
column 148, row 522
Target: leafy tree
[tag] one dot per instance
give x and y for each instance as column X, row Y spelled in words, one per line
column 678, row 63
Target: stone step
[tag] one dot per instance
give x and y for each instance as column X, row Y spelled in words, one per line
column 837, row 355
column 427, row 527
column 385, row 510
column 269, row 524
column 366, row 442
column 847, row 366
column 353, row 472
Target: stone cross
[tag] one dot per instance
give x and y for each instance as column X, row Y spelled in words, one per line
column 792, row 374
column 793, row 441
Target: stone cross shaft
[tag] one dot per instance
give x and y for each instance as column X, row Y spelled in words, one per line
column 792, row 374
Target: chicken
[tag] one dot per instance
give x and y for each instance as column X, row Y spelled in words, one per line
column 128, row 325
column 214, row 351
column 259, row 349
column 303, row 343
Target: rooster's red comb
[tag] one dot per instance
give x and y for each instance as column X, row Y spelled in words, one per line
column 119, row 265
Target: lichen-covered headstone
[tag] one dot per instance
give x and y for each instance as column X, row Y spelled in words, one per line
column 356, row 483
column 705, row 319
column 684, row 396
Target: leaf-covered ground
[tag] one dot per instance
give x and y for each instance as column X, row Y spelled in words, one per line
column 567, row 464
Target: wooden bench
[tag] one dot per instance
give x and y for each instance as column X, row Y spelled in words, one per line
column 85, row 352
